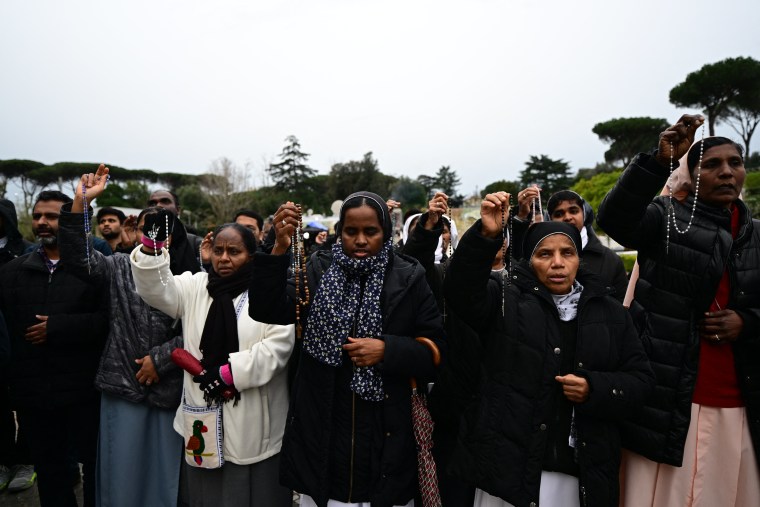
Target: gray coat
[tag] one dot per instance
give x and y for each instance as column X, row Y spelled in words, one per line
column 134, row 328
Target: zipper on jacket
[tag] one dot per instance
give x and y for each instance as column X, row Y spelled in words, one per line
column 353, row 442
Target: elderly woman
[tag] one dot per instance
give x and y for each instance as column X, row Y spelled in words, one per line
column 697, row 441
column 563, row 366
column 244, row 368
column 349, row 439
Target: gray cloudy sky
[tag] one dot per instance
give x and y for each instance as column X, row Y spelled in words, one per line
column 479, row 85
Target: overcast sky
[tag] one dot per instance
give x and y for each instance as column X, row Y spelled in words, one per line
column 479, row 85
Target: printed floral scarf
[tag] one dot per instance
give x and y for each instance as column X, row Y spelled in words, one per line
column 347, row 303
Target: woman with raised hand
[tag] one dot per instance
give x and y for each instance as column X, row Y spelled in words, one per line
column 697, row 299
column 140, row 386
column 349, row 439
column 243, row 384
column 563, row 366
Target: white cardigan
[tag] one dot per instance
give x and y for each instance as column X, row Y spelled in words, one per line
column 253, row 429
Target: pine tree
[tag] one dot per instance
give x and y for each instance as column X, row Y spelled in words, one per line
column 291, row 173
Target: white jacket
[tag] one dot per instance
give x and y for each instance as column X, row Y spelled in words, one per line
column 253, row 428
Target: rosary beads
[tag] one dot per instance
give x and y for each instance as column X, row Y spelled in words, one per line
column 506, row 227
column 536, row 203
column 671, row 211
column 299, row 270
column 157, row 245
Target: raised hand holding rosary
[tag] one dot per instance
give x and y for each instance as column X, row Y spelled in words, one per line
column 158, row 245
column 87, row 223
column 671, row 211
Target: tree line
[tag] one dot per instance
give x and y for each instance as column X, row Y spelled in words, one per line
column 727, row 91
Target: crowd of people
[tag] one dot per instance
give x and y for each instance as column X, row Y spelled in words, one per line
column 247, row 367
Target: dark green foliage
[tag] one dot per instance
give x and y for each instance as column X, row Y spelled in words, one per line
column 629, row 136
column 595, row 188
column 511, row 187
column 129, row 194
column 409, row 193
column 291, row 172
column 716, row 86
column 549, row 174
column 349, row 177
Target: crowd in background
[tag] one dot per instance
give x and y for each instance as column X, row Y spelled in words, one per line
column 269, row 361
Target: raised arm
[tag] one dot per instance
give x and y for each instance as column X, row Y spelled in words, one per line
column 467, row 278
column 627, row 213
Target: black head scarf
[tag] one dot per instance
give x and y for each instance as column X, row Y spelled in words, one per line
column 539, row 231
column 372, row 200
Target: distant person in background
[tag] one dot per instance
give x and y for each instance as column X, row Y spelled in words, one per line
column 185, row 248
column 110, row 221
column 251, row 220
column 570, row 207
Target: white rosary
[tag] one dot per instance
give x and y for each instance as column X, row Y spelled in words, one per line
column 671, row 211
column 152, row 235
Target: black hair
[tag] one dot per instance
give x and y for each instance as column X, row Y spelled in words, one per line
column 251, row 214
column 174, row 195
column 563, row 195
column 249, row 241
column 111, row 211
column 692, row 159
column 150, row 210
column 374, row 201
column 413, row 211
column 52, row 195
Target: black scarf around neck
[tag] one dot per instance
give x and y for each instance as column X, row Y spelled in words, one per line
column 220, row 336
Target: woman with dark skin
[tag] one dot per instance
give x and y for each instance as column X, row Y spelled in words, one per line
column 349, row 438
column 562, row 366
column 697, row 303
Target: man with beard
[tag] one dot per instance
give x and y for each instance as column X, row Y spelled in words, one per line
column 57, row 325
column 109, row 222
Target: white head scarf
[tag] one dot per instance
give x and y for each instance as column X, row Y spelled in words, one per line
column 454, row 240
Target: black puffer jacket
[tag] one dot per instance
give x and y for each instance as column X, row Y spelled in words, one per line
column 59, row 372
column 16, row 244
column 317, row 449
column 135, row 328
column 673, row 291
column 504, row 435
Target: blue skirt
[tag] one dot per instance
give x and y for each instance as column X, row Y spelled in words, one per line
column 139, row 455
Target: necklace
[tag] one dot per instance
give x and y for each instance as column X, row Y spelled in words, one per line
column 671, row 211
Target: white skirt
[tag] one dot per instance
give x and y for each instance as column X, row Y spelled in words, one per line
column 719, row 466
column 557, row 490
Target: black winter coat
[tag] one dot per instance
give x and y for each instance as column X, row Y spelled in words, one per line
column 135, row 329
column 673, row 291
column 59, row 372
column 504, row 435
column 318, row 433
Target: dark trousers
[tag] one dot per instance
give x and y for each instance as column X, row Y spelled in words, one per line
column 13, row 448
column 52, row 435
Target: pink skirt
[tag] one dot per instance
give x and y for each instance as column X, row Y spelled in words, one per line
column 719, row 467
